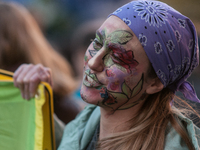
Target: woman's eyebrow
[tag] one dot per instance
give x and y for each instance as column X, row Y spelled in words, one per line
column 101, row 35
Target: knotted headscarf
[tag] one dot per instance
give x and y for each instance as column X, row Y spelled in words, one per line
column 169, row 40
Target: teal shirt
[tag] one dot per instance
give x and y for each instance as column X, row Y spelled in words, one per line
column 78, row 133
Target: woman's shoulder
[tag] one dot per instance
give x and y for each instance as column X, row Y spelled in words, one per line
column 174, row 140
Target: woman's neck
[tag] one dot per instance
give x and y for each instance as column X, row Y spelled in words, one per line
column 118, row 121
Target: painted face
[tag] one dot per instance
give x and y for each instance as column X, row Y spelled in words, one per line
column 115, row 67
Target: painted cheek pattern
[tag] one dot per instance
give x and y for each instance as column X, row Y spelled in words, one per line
column 121, row 98
column 114, row 85
column 108, row 99
column 85, row 60
column 131, row 80
column 123, row 58
column 109, row 73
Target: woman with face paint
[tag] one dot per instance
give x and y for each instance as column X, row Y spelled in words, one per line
column 142, row 54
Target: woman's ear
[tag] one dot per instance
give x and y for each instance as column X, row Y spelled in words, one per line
column 155, row 86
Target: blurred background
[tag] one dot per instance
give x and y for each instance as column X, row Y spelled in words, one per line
column 70, row 24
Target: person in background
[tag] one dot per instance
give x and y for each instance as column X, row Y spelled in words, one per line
column 141, row 55
column 21, row 41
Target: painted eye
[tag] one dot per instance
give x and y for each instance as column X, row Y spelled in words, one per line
column 96, row 44
column 115, row 58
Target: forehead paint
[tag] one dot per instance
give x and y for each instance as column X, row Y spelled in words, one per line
column 120, row 36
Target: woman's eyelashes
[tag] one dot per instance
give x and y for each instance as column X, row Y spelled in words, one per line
column 115, row 57
column 97, row 45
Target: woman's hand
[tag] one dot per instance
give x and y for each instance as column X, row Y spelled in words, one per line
column 27, row 78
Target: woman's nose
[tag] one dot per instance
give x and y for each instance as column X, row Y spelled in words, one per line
column 96, row 63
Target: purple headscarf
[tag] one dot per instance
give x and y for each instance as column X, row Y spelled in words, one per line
column 169, row 40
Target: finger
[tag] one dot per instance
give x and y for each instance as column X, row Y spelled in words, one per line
column 27, row 78
column 20, row 80
column 20, row 68
column 17, row 72
column 39, row 72
column 35, row 76
column 48, row 70
column 42, row 72
column 31, row 81
column 21, row 87
column 20, row 75
column 45, row 74
column 26, row 91
column 34, row 82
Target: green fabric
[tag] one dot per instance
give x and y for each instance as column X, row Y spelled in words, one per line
column 17, row 119
column 78, row 133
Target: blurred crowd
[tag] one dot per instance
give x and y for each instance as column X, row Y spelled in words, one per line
column 61, row 21
column 42, row 32
column 68, row 27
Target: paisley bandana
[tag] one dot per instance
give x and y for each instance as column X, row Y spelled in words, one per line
column 169, row 40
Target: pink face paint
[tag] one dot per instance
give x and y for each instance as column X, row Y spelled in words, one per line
column 109, row 73
column 114, row 85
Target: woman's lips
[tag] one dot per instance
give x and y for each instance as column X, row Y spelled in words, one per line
column 90, row 80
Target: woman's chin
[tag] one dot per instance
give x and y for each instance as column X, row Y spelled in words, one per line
column 90, row 95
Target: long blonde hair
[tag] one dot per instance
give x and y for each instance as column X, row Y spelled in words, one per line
column 148, row 129
column 149, row 126
column 22, row 41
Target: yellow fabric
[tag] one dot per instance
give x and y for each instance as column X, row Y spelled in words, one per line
column 49, row 134
column 6, row 75
column 39, row 102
